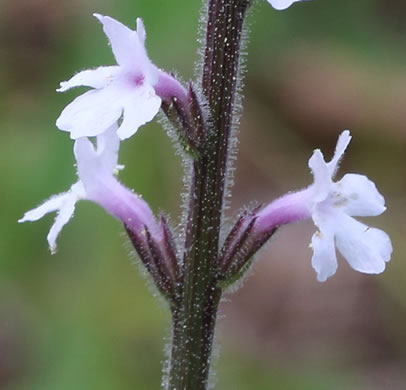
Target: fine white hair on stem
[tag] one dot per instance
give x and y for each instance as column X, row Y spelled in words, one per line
column 237, row 109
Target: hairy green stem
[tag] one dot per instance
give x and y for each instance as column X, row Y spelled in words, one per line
column 194, row 314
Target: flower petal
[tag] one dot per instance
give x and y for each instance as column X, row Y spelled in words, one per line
column 366, row 249
column 95, row 78
column 90, row 171
column 282, row 4
column 322, row 180
column 356, row 195
column 65, row 213
column 139, row 108
column 324, row 260
column 142, row 35
column 95, row 165
column 93, row 112
column 54, row 203
column 64, row 203
column 108, row 145
column 128, row 48
column 342, row 143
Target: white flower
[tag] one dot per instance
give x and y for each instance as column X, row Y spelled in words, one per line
column 64, row 204
column 332, row 207
column 283, row 4
column 125, row 90
column 97, row 183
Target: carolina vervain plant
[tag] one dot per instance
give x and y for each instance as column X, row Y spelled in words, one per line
column 192, row 272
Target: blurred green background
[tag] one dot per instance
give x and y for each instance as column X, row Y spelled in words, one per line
column 85, row 317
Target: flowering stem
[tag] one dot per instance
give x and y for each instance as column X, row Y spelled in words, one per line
column 194, row 314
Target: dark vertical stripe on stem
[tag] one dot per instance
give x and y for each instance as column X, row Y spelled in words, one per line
column 194, row 315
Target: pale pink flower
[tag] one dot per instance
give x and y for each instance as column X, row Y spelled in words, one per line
column 332, row 206
column 131, row 90
column 96, row 167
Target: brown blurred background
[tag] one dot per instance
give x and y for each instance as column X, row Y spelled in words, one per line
column 84, row 318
